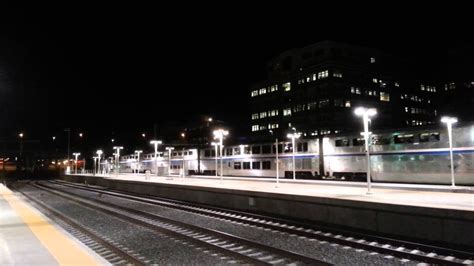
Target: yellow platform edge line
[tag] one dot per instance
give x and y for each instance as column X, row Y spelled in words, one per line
column 61, row 247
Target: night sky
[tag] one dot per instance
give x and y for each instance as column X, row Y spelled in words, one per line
column 119, row 68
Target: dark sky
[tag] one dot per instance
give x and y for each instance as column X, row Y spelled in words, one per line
column 104, row 68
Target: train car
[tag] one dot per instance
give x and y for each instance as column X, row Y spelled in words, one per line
column 405, row 156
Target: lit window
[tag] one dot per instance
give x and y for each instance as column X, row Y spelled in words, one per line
column 263, row 114
column 273, row 88
column 254, row 93
column 254, row 116
column 397, row 85
column 347, row 104
column 308, row 79
column 337, row 74
column 372, row 60
column 422, row 87
column 323, row 74
column 358, row 91
column 314, row 76
column 287, row 86
column 406, row 109
column 263, row 91
column 255, row 128
column 352, row 90
column 374, row 80
column 263, row 127
column 384, row 96
column 287, row 112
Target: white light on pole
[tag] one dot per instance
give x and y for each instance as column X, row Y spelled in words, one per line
column 95, row 160
column 276, row 161
column 117, row 158
column 366, row 113
column 155, row 144
column 138, row 160
column 76, row 154
column 293, row 137
column 99, row 153
column 449, row 121
column 216, row 145
column 169, row 149
column 220, row 134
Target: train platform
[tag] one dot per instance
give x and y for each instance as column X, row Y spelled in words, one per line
column 430, row 196
column 29, row 238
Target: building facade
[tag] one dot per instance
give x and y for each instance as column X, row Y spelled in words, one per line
column 315, row 89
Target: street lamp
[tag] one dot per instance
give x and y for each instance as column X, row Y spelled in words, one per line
column 20, row 135
column 76, row 154
column 293, row 137
column 366, row 113
column 276, row 161
column 215, row 144
column 138, row 160
column 117, row 156
column 99, row 153
column 169, row 149
column 449, row 121
column 95, row 159
column 220, row 134
column 156, row 143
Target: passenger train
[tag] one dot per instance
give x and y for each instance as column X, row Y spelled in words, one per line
column 406, row 156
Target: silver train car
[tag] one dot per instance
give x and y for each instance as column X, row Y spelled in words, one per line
column 406, row 156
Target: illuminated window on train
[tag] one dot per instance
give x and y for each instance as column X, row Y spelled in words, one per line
column 302, row 147
column 237, row 151
column 266, row 165
column 246, row 165
column 256, row 150
column 256, row 165
column 266, row 149
column 342, row 142
column 407, row 138
column 429, row 136
column 358, row 141
column 380, row 140
column 237, row 166
column 228, row 151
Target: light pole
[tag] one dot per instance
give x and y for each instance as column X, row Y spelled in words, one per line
column 276, row 161
column 156, row 143
column 117, row 160
column 21, row 143
column 293, row 137
column 99, row 153
column 220, row 134
column 169, row 149
column 449, row 121
column 138, row 160
column 215, row 144
column 93, row 170
column 76, row 154
column 366, row 113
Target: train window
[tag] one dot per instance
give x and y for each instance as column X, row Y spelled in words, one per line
column 179, row 154
column 190, row 153
column 266, row 149
column 280, row 148
column 400, row 139
column 256, row 150
column 342, row 142
column 380, row 140
column 358, row 141
column 246, row 165
column 246, row 150
column 237, row 165
column 302, row 147
column 255, row 165
column 266, row 165
column 207, row 153
column 237, row 151
column 288, row 147
column 228, row 151
column 430, row 136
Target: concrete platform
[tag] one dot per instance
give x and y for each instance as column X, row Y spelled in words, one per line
column 433, row 214
column 29, row 238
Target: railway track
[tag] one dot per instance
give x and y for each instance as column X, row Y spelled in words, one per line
column 105, row 247
column 242, row 250
column 391, row 247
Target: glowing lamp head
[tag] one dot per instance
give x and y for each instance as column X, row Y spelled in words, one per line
column 362, row 111
column 99, row 152
column 293, row 135
column 20, row 135
column 157, row 142
column 220, row 133
column 80, row 135
column 214, row 144
column 449, row 120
